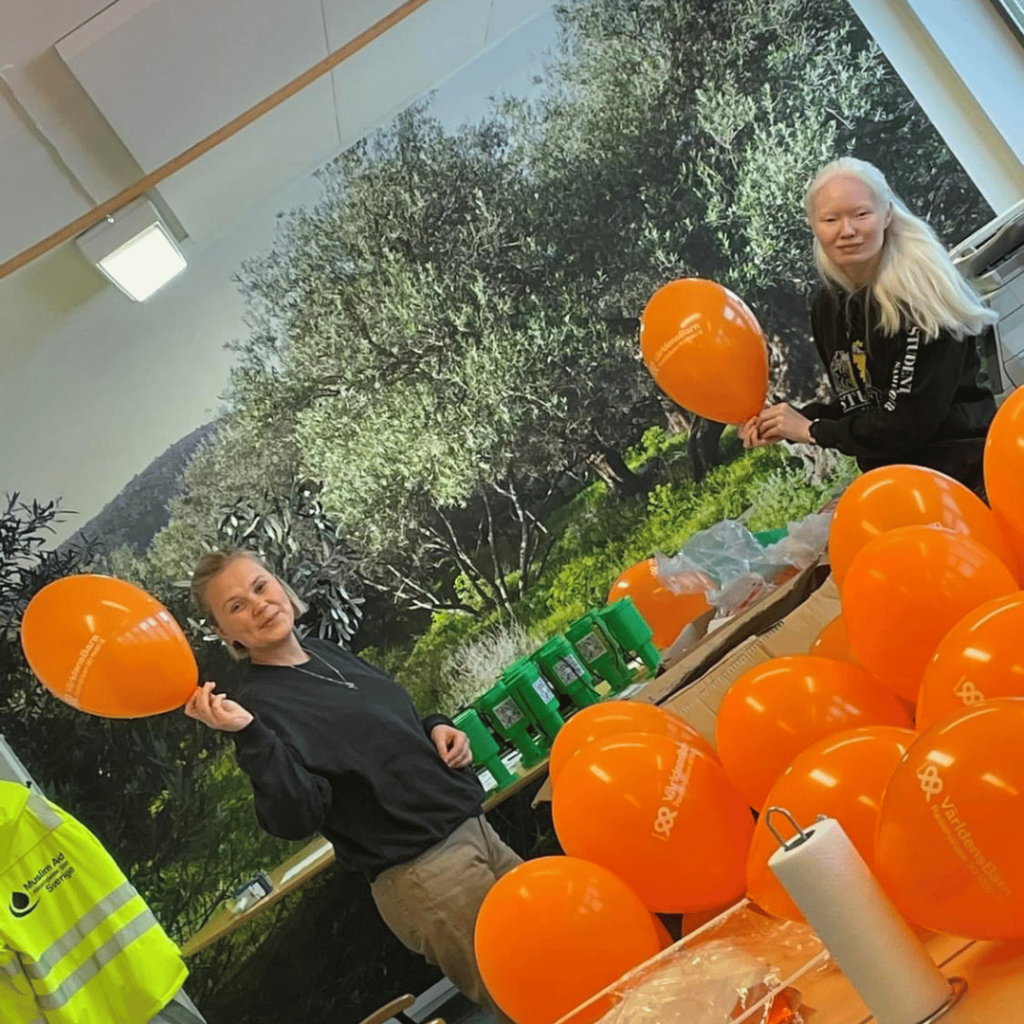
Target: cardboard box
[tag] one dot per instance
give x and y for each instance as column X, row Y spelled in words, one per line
column 699, row 702
column 716, row 644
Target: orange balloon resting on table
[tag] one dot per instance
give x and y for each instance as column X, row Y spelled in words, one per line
column 906, row 590
column 617, row 716
column 834, row 642
column 776, row 710
column 951, row 830
column 892, row 496
column 843, row 777
column 705, row 350
column 106, row 647
column 555, row 931
column 979, row 659
column 661, row 815
column 665, row 611
column 1004, row 465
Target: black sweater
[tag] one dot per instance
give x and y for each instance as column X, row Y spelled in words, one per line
column 899, row 398
column 356, row 765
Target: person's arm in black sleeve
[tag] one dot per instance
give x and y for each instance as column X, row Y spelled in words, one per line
column 431, row 721
column 919, row 397
column 291, row 802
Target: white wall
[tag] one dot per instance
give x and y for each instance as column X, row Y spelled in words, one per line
column 966, row 69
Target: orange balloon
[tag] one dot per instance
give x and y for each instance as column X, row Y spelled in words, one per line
column 951, row 832
column 843, row 777
column 906, row 590
column 980, row 658
column 108, row 648
column 661, row 815
column 665, row 611
column 834, row 642
column 778, row 709
column 893, row 496
column 555, row 931
column 705, row 350
column 616, row 716
column 1004, row 464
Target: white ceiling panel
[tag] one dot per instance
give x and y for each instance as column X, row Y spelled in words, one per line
column 508, row 15
column 407, row 61
column 36, row 196
column 166, row 73
column 223, row 187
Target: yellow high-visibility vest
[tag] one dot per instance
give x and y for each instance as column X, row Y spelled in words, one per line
column 78, row 945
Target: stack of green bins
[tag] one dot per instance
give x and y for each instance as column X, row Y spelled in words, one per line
column 629, row 629
column 524, row 680
column 598, row 651
column 566, row 672
column 484, row 746
column 510, row 722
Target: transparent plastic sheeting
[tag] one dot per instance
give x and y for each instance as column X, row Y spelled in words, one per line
column 732, row 569
column 741, row 968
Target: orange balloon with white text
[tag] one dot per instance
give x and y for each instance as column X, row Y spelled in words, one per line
column 951, row 830
column 980, row 658
column 106, row 647
column 705, row 349
column 660, row 814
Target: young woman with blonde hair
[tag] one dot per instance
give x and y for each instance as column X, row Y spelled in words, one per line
column 897, row 328
column 335, row 746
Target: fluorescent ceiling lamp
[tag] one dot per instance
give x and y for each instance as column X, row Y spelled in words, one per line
column 134, row 249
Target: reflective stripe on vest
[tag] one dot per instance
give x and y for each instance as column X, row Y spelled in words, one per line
column 99, row 958
column 106, row 907
column 12, row 968
column 44, row 812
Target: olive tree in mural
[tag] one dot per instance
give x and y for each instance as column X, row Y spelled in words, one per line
column 451, row 331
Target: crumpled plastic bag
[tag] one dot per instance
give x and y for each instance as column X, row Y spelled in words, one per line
column 713, row 984
column 732, row 569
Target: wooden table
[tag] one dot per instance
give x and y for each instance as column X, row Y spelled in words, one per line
column 313, row 858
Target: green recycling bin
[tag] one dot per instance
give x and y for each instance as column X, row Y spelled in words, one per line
column 510, row 722
column 629, row 629
column 484, row 746
column 598, row 651
column 565, row 671
column 524, row 678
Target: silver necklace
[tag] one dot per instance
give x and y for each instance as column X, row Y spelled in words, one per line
column 318, row 675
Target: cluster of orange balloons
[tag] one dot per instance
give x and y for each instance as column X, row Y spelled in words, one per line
column 932, row 613
column 106, row 647
column 649, row 823
column 665, row 611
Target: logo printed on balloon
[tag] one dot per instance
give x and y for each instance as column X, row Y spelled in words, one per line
column 959, row 837
column 675, row 791
column 82, row 666
column 931, row 781
column 969, row 693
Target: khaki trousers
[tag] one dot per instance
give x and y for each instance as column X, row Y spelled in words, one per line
column 431, row 902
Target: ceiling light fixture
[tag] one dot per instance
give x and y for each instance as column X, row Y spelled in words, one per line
column 134, row 249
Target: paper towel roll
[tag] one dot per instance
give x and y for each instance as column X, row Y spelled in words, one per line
column 872, row 944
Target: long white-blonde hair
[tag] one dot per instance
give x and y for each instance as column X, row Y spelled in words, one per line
column 916, row 281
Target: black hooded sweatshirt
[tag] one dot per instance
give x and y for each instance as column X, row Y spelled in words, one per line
column 351, row 760
column 899, row 398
